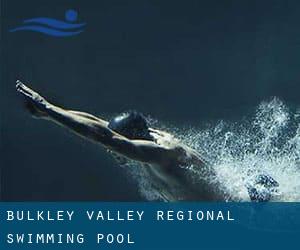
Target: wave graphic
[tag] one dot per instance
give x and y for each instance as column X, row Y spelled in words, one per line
column 53, row 27
column 53, row 23
column 48, row 31
column 268, row 141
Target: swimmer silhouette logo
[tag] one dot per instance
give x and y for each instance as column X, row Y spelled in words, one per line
column 53, row 27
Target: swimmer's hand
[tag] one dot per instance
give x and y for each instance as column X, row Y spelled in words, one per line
column 35, row 103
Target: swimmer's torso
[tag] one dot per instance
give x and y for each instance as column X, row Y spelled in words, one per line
column 180, row 183
column 177, row 179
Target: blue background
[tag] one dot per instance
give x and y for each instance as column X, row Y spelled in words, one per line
column 182, row 62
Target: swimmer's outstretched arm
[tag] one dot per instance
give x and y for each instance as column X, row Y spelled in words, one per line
column 95, row 129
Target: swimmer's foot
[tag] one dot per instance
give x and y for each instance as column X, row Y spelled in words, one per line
column 263, row 188
column 34, row 103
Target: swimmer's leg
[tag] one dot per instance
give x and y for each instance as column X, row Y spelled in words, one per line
column 259, row 196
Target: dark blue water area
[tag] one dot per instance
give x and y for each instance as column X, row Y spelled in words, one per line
column 183, row 64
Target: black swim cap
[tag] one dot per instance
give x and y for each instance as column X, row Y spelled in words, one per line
column 132, row 125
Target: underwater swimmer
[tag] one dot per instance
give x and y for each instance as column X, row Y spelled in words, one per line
column 128, row 135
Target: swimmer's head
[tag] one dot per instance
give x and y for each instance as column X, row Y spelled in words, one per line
column 132, row 125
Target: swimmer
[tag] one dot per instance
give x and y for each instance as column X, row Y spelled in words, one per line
column 128, row 135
